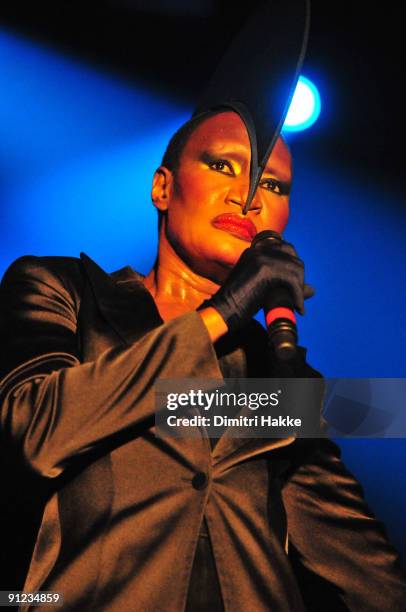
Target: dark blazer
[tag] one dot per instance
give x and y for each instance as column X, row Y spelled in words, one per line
column 81, row 351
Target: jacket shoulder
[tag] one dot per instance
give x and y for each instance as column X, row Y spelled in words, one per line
column 59, row 273
column 35, row 264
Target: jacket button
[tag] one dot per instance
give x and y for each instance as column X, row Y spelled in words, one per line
column 200, row 480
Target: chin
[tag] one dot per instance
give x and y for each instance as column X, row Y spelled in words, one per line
column 229, row 252
column 218, row 264
column 216, row 258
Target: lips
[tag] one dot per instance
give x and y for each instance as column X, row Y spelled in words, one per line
column 241, row 227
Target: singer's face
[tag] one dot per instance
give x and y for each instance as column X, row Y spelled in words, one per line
column 205, row 223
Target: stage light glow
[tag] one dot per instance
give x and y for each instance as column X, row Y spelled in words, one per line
column 305, row 107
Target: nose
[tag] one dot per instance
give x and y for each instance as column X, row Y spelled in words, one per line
column 238, row 195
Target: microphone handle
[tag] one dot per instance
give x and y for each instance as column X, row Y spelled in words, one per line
column 279, row 311
column 281, row 322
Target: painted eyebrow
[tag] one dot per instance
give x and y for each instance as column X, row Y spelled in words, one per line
column 275, row 173
column 214, row 152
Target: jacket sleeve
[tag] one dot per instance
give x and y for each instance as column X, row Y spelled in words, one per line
column 54, row 408
column 336, row 537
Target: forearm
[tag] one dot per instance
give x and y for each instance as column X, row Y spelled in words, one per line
column 214, row 322
column 53, row 417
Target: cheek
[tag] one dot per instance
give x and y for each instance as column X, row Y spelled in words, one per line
column 197, row 202
column 283, row 219
column 202, row 191
column 187, row 224
column 276, row 216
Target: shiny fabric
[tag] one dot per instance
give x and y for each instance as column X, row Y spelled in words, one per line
column 121, row 523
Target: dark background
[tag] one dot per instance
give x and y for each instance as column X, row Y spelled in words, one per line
column 355, row 53
column 107, row 71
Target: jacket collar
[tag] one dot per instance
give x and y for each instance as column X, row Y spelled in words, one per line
column 123, row 300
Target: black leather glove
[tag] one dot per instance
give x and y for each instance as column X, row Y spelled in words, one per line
column 267, row 263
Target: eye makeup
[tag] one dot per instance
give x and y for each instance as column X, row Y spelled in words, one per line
column 210, row 157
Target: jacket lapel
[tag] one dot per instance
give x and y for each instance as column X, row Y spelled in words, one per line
column 122, row 300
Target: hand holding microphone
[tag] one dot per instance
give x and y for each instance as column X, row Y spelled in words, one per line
column 268, row 275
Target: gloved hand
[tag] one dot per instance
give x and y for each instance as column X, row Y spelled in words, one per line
column 264, row 265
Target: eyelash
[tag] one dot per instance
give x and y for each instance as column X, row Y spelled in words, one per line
column 221, row 161
column 272, row 182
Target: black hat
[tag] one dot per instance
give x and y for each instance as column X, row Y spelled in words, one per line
column 258, row 74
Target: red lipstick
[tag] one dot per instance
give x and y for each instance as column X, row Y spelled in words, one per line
column 241, row 227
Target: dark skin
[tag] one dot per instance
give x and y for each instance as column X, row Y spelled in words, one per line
column 194, row 256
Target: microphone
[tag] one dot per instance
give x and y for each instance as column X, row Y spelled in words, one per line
column 279, row 311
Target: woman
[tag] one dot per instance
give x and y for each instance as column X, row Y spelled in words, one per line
column 135, row 521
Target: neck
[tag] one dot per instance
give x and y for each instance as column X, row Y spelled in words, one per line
column 174, row 286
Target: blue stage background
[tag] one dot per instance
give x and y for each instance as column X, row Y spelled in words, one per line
column 78, row 148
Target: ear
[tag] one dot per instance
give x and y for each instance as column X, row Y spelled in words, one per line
column 162, row 188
